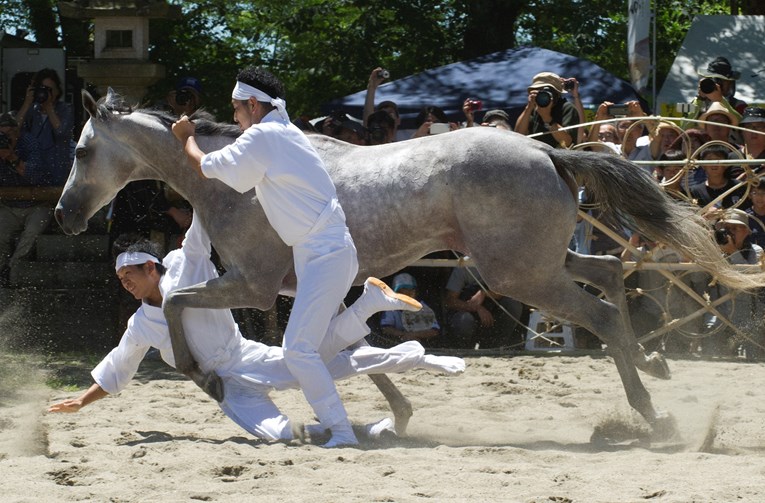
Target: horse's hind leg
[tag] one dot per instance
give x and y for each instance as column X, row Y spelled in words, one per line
column 605, row 272
column 561, row 297
column 399, row 404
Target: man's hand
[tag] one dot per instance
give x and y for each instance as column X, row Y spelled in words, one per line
column 71, row 405
column 183, row 129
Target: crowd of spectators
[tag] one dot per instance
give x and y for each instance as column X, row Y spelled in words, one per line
column 36, row 149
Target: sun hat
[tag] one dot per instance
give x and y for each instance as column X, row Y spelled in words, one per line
column 547, row 79
column 717, row 108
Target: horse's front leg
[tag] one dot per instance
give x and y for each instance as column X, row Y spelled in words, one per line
column 221, row 293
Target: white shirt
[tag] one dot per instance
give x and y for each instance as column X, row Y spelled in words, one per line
column 289, row 178
column 212, row 334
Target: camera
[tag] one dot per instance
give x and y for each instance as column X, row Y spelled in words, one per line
column 383, row 74
column 569, row 84
column 5, row 142
column 722, row 236
column 183, row 96
column 439, row 127
column 617, row 110
column 475, row 105
column 41, row 94
column 707, row 85
column 377, row 134
column 543, row 98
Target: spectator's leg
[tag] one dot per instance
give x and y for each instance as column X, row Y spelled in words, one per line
column 10, row 226
column 36, row 220
column 462, row 328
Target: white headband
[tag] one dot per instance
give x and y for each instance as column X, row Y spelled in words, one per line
column 134, row 258
column 244, row 91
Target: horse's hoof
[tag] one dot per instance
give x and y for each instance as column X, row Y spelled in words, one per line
column 664, row 428
column 654, row 365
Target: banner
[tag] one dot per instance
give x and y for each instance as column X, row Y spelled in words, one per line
column 638, row 47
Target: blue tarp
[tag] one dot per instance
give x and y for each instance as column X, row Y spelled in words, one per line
column 499, row 79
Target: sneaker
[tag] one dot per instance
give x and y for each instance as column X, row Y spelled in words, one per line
column 381, row 428
column 342, row 436
column 378, row 297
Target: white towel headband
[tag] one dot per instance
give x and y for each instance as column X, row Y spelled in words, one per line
column 134, row 258
column 244, row 91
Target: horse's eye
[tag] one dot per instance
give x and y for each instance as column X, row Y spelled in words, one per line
column 80, row 153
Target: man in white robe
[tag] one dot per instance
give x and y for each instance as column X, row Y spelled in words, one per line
column 297, row 195
column 249, row 370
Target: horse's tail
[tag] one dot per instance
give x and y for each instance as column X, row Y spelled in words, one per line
column 640, row 204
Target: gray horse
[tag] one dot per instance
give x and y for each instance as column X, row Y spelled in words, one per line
column 507, row 201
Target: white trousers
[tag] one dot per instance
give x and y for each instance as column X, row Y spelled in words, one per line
column 325, row 267
column 249, row 405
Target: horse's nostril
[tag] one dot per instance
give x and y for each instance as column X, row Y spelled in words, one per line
column 59, row 214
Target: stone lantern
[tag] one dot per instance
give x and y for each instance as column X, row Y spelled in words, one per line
column 121, row 43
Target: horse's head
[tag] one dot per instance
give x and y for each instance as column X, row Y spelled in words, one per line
column 106, row 159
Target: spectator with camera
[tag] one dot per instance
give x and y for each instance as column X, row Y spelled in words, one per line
column 20, row 221
column 756, row 213
column 547, row 111
column 717, row 85
column 186, row 98
column 49, row 120
column 432, row 120
column 381, row 127
column 733, row 235
column 377, row 77
column 608, row 133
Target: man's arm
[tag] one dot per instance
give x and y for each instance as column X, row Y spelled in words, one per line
column 184, row 130
column 95, row 392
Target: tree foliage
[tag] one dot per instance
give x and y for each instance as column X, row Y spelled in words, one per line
column 327, row 48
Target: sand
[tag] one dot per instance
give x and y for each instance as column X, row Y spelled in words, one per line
column 509, row 429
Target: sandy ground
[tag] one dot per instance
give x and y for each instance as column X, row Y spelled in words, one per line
column 509, row 429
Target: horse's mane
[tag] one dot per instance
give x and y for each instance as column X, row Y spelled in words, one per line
column 205, row 123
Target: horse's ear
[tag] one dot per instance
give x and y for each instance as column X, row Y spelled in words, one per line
column 89, row 103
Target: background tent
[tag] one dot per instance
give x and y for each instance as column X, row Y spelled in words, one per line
column 741, row 39
column 499, row 79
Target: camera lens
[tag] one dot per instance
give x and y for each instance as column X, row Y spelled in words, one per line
column 182, row 97
column 707, row 85
column 721, row 236
column 543, row 98
column 41, row 94
column 383, row 74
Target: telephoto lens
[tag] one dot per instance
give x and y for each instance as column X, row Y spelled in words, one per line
column 707, row 85
column 543, row 98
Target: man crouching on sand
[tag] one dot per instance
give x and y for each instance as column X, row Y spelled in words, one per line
column 249, row 370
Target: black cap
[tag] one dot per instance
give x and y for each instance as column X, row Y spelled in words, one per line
column 753, row 114
column 720, row 68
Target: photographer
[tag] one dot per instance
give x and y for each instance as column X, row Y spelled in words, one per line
column 47, row 119
column 547, row 111
column 733, row 235
column 717, row 85
column 20, row 221
column 187, row 96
